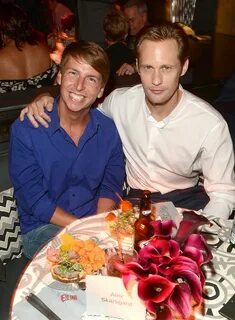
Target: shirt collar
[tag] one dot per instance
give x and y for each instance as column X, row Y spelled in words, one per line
column 93, row 124
column 54, row 125
column 161, row 124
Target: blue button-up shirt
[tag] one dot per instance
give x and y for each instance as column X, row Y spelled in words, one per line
column 48, row 169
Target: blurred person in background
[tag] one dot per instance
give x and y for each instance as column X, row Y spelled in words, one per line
column 91, row 14
column 136, row 12
column 24, row 54
column 37, row 14
column 58, row 12
column 115, row 27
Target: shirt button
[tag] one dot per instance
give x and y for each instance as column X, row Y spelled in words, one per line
column 161, row 124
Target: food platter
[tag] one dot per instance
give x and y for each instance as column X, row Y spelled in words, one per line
column 103, row 242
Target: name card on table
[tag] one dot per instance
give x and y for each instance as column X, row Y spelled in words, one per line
column 167, row 211
column 108, row 296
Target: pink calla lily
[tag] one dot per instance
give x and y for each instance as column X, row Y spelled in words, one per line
column 180, row 301
column 197, row 241
column 168, row 271
column 191, row 221
column 155, row 288
column 198, row 219
column 169, row 247
column 179, row 263
column 185, row 272
column 158, row 251
column 192, row 280
column 194, row 254
column 162, row 310
column 136, row 269
column 163, row 229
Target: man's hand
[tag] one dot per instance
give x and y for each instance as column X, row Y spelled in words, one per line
column 35, row 110
column 126, row 69
column 105, row 204
column 62, row 218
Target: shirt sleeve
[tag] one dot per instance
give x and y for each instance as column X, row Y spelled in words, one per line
column 113, row 180
column 30, row 188
column 218, row 171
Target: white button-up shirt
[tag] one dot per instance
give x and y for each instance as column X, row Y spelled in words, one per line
column 171, row 154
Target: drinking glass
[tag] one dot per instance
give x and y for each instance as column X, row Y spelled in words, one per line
column 114, row 256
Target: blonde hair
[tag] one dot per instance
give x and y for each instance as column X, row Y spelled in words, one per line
column 92, row 53
column 165, row 31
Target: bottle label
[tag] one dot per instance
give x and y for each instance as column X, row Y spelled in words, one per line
column 127, row 243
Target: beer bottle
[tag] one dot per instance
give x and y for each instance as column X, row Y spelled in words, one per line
column 143, row 227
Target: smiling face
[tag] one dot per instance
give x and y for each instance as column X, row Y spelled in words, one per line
column 159, row 68
column 80, row 85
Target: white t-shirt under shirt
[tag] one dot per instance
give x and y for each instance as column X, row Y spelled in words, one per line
column 171, row 154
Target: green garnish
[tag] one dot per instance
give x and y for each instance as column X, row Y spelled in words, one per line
column 124, row 222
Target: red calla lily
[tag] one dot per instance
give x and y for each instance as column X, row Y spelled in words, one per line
column 191, row 221
column 136, row 269
column 168, row 270
column 180, row 301
column 163, row 229
column 155, row 288
column 162, row 310
column 158, row 251
column 197, row 241
column 169, row 247
column 179, row 263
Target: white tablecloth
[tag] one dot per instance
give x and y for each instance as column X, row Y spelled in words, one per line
column 69, row 302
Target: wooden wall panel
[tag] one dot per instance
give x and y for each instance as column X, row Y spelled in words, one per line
column 226, row 17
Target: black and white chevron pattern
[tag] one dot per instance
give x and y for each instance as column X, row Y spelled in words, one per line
column 10, row 235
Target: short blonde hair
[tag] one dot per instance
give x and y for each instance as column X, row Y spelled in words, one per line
column 92, row 53
column 166, row 31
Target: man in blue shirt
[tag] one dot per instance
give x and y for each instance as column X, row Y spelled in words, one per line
column 75, row 168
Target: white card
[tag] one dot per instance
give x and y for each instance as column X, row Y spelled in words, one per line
column 108, row 296
column 167, row 211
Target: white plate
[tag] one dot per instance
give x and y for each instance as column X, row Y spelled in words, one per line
column 102, row 239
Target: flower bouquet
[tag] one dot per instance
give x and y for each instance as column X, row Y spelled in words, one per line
column 169, row 269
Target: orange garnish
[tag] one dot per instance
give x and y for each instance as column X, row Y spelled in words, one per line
column 126, row 206
column 110, row 216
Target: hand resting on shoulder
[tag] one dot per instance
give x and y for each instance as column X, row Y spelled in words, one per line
column 35, row 110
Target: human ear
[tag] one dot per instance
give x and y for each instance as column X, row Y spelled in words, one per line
column 185, row 67
column 58, row 78
column 137, row 65
column 100, row 93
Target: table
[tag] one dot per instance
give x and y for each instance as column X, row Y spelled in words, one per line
column 69, row 302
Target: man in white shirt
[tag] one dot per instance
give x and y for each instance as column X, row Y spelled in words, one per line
column 170, row 137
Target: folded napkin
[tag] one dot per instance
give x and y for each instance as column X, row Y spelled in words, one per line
column 67, row 305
